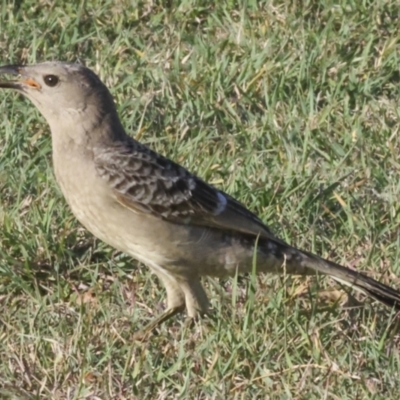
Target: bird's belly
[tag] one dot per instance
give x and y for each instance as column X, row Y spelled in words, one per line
column 182, row 250
column 122, row 229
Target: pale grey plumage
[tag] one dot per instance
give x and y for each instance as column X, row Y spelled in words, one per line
column 150, row 207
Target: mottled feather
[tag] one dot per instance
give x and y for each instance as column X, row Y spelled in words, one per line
column 144, row 180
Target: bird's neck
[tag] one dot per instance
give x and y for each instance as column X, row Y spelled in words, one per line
column 84, row 130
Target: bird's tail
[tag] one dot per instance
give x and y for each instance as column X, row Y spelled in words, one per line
column 349, row 277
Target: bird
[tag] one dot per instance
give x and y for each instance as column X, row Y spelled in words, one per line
column 151, row 208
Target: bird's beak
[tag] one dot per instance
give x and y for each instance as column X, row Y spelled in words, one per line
column 20, row 84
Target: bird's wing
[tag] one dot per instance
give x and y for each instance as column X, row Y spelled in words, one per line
column 144, row 181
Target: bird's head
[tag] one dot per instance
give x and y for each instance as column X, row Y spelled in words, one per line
column 58, row 88
column 71, row 97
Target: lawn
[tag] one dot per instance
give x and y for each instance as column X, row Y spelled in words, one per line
column 292, row 108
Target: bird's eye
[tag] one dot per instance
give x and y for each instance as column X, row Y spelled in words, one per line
column 51, row 80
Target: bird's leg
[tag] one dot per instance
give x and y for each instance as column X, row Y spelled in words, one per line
column 196, row 299
column 180, row 292
column 175, row 304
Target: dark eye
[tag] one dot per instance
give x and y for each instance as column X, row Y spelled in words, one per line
column 51, row 80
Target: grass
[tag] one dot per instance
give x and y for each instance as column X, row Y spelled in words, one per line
column 292, row 107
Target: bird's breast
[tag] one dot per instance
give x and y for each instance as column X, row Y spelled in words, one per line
column 95, row 206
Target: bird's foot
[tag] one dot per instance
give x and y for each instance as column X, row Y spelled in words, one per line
column 167, row 314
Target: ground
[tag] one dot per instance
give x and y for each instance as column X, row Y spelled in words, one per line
column 291, row 107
